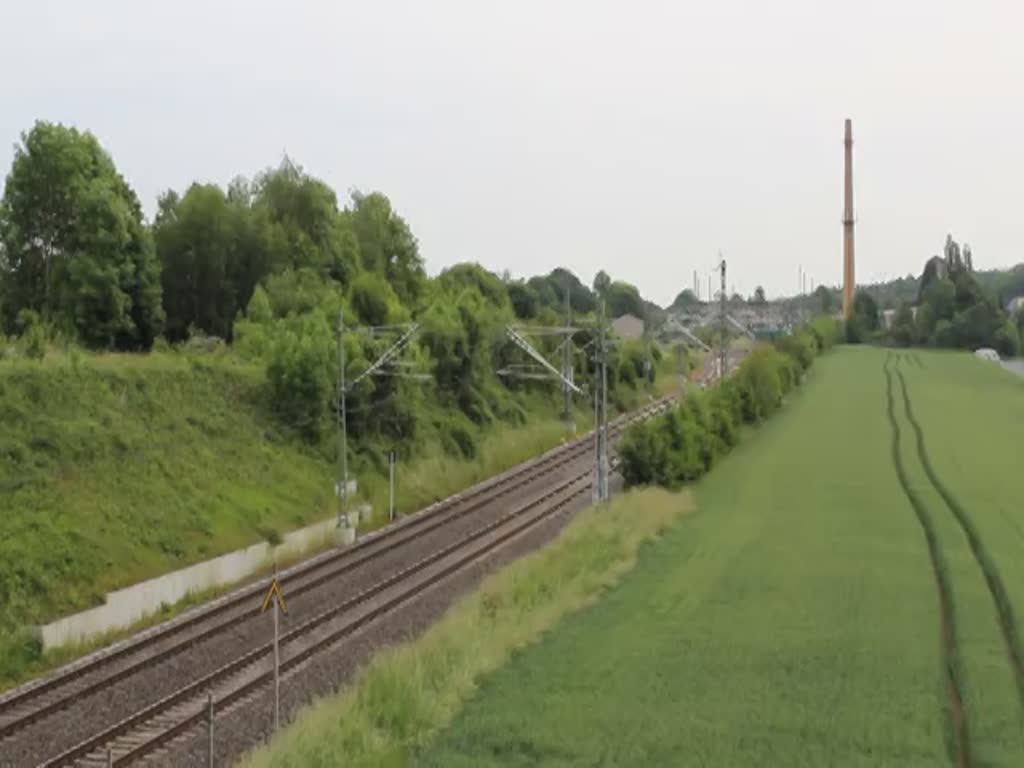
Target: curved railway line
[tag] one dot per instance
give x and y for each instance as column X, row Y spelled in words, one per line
column 127, row 701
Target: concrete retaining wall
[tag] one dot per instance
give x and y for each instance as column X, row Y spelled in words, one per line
column 126, row 606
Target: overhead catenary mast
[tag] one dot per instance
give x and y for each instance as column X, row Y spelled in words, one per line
column 379, row 367
column 567, row 361
column 601, row 466
column 723, row 328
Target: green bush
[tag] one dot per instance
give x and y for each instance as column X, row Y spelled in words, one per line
column 33, row 334
column 1007, row 340
column 827, row 331
column 681, row 445
column 299, row 374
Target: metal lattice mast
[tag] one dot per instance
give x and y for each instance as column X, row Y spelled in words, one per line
column 647, row 351
column 722, row 354
column 602, row 458
column 377, row 367
column 342, row 425
column 567, row 360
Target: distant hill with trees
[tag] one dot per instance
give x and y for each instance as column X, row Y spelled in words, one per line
column 950, row 305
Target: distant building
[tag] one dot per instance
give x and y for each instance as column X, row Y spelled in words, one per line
column 628, row 327
column 888, row 317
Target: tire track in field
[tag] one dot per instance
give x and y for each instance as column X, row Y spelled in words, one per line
column 958, row 743
column 996, row 586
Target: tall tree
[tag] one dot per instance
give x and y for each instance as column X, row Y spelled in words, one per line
column 826, row 301
column 387, row 245
column 863, row 320
column 759, row 297
column 76, row 248
column 581, row 298
column 211, row 258
column 601, row 283
column 623, row 299
column 685, row 298
column 298, row 218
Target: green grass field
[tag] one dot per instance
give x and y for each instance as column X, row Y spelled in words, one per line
column 794, row 618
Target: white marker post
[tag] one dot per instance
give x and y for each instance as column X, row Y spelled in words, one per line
column 275, row 596
column 209, row 723
column 391, row 483
column 277, row 670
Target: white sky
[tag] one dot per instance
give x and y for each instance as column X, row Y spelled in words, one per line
column 638, row 137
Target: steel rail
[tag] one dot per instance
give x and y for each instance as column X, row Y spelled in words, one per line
column 352, row 558
column 199, row 688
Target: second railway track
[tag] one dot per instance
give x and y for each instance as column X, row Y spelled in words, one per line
column 155, row 668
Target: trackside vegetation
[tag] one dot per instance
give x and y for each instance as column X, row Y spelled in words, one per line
column 684, row 443
column 409, row 692
column 169, row 388
column 120, row 467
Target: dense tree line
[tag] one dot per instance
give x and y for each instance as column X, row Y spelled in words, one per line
column 684, row 443
column 74, row 250
column 271, row 266
column 952, row 308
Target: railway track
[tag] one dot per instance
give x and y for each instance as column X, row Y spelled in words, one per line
column 169, row 713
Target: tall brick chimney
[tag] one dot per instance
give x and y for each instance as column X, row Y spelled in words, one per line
column 849, row 279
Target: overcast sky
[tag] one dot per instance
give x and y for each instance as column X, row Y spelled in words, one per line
column 637, row 137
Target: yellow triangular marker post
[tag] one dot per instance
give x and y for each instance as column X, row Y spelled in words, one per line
column 274, row 593
column 276, row 596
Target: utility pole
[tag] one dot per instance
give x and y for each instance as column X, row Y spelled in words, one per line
column 209, row 728
column 596, row 489
column 391, row 484
column 604, row 410
column 601, row 414
column 799, row 293
column 647, row 351
column 803, row 299
column 342, row 428
column 378, row 367
column 722, row 353
column 567, row 361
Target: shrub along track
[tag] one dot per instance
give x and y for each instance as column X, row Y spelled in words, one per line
column 43, row 719
column 996, row 586
column 958, row 737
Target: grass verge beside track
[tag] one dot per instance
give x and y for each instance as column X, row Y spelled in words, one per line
column 407, row 693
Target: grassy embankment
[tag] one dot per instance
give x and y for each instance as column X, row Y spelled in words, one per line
column 794, row 618
column 408, row 692
column 117, row 468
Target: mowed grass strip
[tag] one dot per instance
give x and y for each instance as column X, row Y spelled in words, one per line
column 409, row 692
column 985, row 633
column 792, row 620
